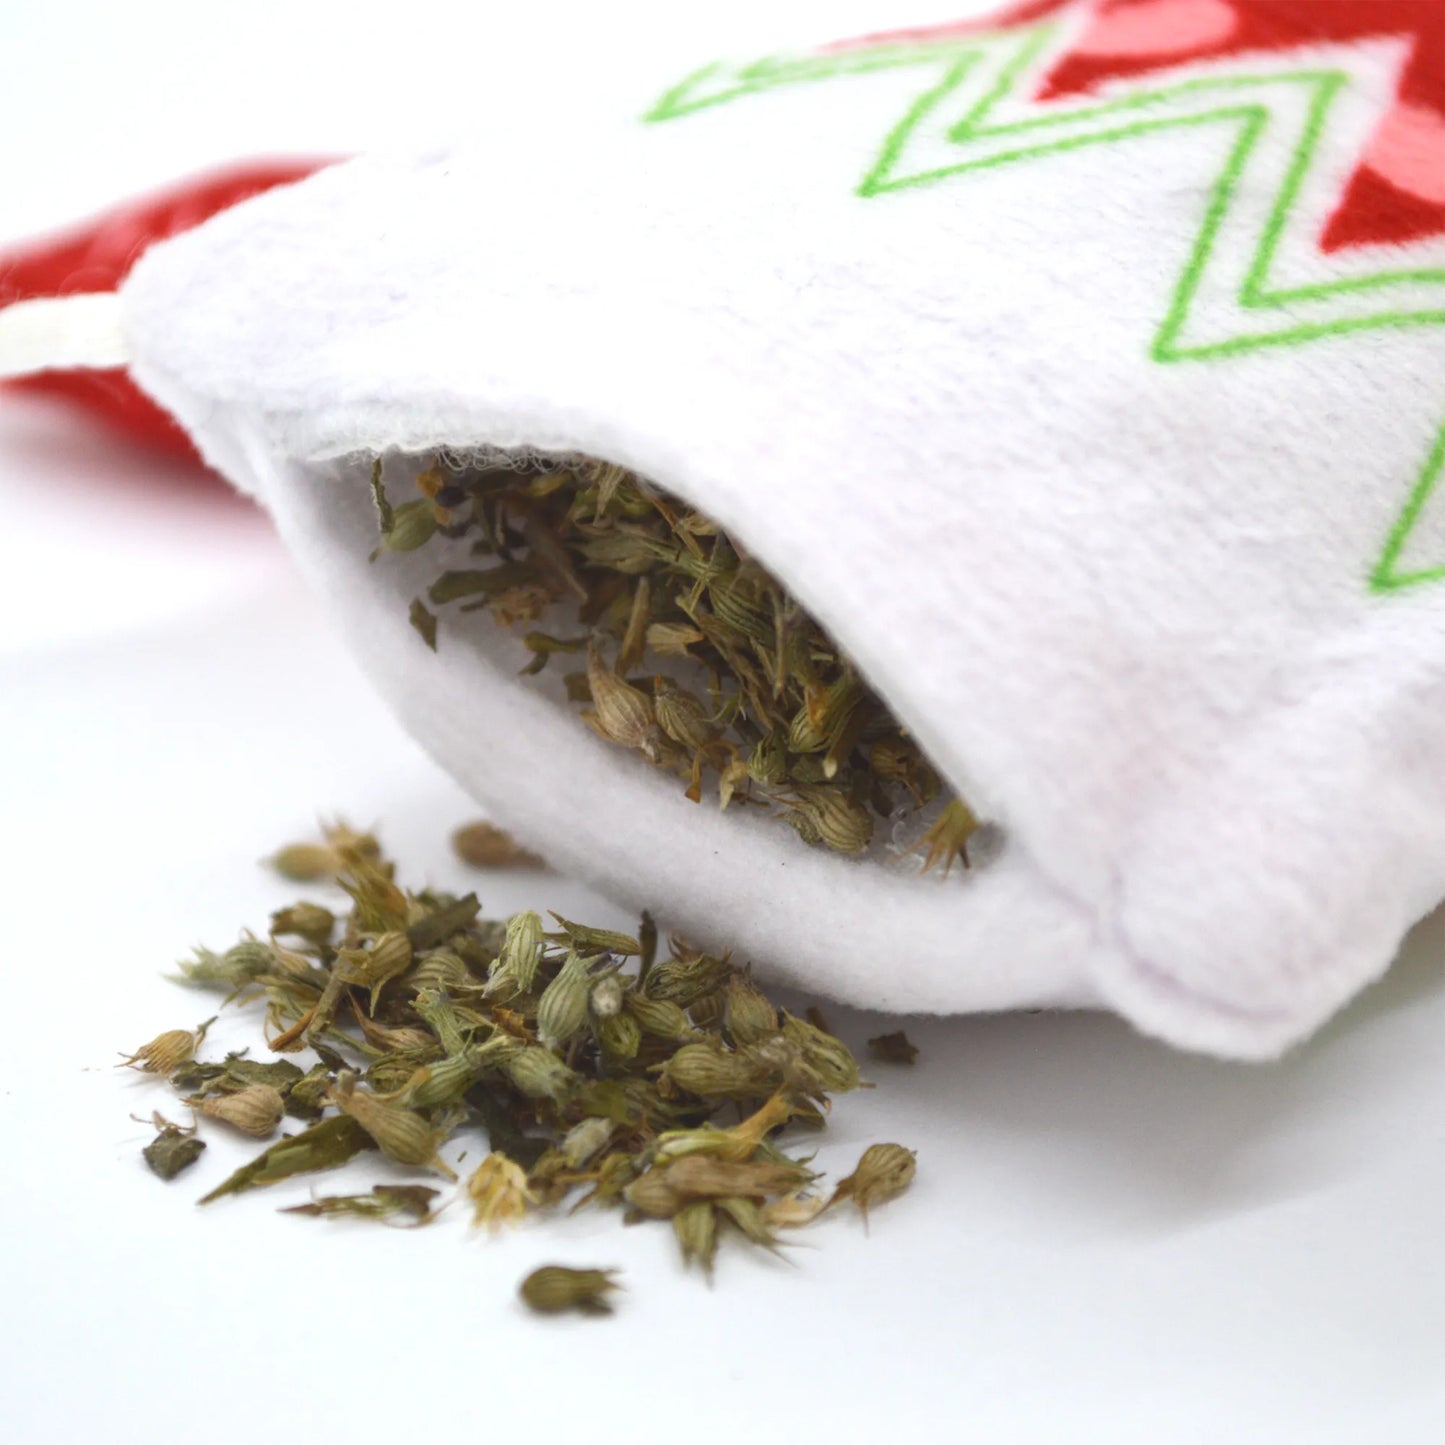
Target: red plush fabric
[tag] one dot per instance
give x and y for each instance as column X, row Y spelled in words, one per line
column 96, row 257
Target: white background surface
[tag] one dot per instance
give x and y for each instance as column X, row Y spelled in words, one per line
column 1106, row 1242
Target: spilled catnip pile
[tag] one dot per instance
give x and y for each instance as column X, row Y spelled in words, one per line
column 600, row 1071
column 675, row 644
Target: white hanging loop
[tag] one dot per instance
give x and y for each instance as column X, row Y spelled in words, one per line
column 58, row 333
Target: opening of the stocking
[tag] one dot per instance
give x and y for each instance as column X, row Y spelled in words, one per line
column 868, row 927
column 649, row 624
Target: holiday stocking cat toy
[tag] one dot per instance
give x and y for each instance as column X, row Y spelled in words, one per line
column 1081, row 372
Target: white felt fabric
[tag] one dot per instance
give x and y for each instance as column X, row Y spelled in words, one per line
column 1125, row 605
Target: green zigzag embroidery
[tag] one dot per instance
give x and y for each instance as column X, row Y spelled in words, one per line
column 946, row 132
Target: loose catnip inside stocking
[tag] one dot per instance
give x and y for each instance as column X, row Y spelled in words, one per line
column 682, row 648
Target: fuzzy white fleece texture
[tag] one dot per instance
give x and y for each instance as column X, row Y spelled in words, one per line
column 1124, row 603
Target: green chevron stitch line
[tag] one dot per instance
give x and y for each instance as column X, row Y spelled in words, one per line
column 1385, row 577
column 1240, row 101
